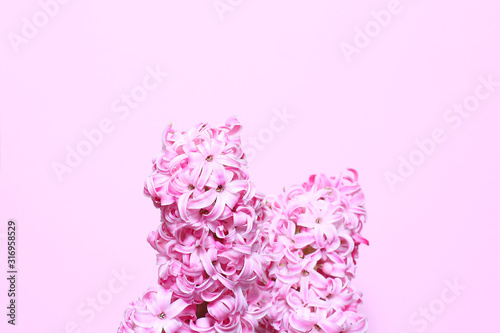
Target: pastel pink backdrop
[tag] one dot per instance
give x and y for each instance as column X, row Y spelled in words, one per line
column 439, row 224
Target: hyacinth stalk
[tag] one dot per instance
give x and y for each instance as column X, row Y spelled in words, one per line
column 314, row 236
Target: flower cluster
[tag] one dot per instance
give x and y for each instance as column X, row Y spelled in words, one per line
column 157, row 311
column 314, row 235
column 233, row 261
column 209, row 242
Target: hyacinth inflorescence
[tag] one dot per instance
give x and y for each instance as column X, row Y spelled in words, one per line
column 314, row 235
column 232, row 260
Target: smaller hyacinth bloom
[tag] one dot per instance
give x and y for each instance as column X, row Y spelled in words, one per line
column 156, row 187
column 230, row 312
column 183, row 142
column 184, row 186
column 316, row 315
column 161, row 312
column 128, row 325
column 333, row 265
column 184, row 182
column 322, row 219
column 178, row 141
column 304, row 320
column 222, row 191
column 345, row 191
column 301, row 273
column 210, row 157
column 338, row 294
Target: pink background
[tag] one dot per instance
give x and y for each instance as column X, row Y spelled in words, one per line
column 438, row 224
